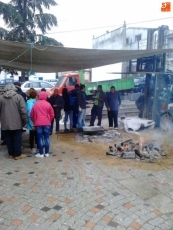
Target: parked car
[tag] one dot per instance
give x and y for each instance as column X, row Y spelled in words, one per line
column 139, row 84
column 52, row 81
column 37, row 85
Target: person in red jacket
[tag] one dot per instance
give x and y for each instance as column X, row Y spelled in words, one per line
column 42, row 115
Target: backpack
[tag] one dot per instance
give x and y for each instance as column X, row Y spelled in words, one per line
column 72, row 100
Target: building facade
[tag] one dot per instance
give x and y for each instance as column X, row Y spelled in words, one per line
column 132, row 38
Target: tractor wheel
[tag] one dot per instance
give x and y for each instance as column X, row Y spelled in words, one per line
column 166, row 122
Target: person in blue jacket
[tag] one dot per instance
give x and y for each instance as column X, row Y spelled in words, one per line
column 32, row 99
column 113, row 102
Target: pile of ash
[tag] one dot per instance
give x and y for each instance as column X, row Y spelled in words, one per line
column 130, row 149
column 104, row 137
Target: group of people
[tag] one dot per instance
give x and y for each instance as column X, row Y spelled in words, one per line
column 75, row 103
column 111, row 99
column 36, row 112
column 30, row 110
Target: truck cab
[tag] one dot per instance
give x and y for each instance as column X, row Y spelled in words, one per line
column 66, row 81
column 70, row 79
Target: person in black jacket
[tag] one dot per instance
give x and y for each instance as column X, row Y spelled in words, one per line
column 74, row 93
column 97, row 106
column 19, row 91
column 57, row 103
column 68, row 110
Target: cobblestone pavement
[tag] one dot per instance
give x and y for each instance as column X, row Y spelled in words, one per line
column 66, row 191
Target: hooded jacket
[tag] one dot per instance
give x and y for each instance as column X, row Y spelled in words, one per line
column 29, row 104
column 42, row 112
column 12, row 109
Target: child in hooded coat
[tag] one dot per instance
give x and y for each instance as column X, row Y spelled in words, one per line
column 42, row 115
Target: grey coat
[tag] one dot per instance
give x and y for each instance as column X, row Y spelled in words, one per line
column 13, row 114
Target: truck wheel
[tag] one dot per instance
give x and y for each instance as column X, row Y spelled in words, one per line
column 166, row 122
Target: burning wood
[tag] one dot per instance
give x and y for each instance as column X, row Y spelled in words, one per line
column 132, row 150
column 126, row 142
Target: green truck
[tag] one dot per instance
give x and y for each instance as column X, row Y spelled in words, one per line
column 70, row 79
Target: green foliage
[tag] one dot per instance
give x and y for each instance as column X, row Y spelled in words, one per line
column 45, row 21
column 23, row 17
column 44, row 40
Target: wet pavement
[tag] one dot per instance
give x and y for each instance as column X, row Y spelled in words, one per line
column 68, row 191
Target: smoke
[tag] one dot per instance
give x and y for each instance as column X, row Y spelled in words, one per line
column 157, row 137
column 168, row 128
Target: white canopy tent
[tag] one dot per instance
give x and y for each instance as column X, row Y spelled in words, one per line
column 51, row 59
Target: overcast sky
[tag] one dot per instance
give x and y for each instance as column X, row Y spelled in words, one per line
column 88, row 14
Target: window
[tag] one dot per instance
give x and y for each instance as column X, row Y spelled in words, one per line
column 27, row 85
column 137, row 38
column 35, row 85
column 71, row 81
column 60, row 81
column 45, row 85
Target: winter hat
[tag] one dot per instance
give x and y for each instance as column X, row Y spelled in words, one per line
column 17, row 84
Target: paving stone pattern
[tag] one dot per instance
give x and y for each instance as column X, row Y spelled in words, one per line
column 65, row 191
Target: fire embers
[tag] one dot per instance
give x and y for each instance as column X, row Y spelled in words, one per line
column 108, row 136
column 132, row 150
